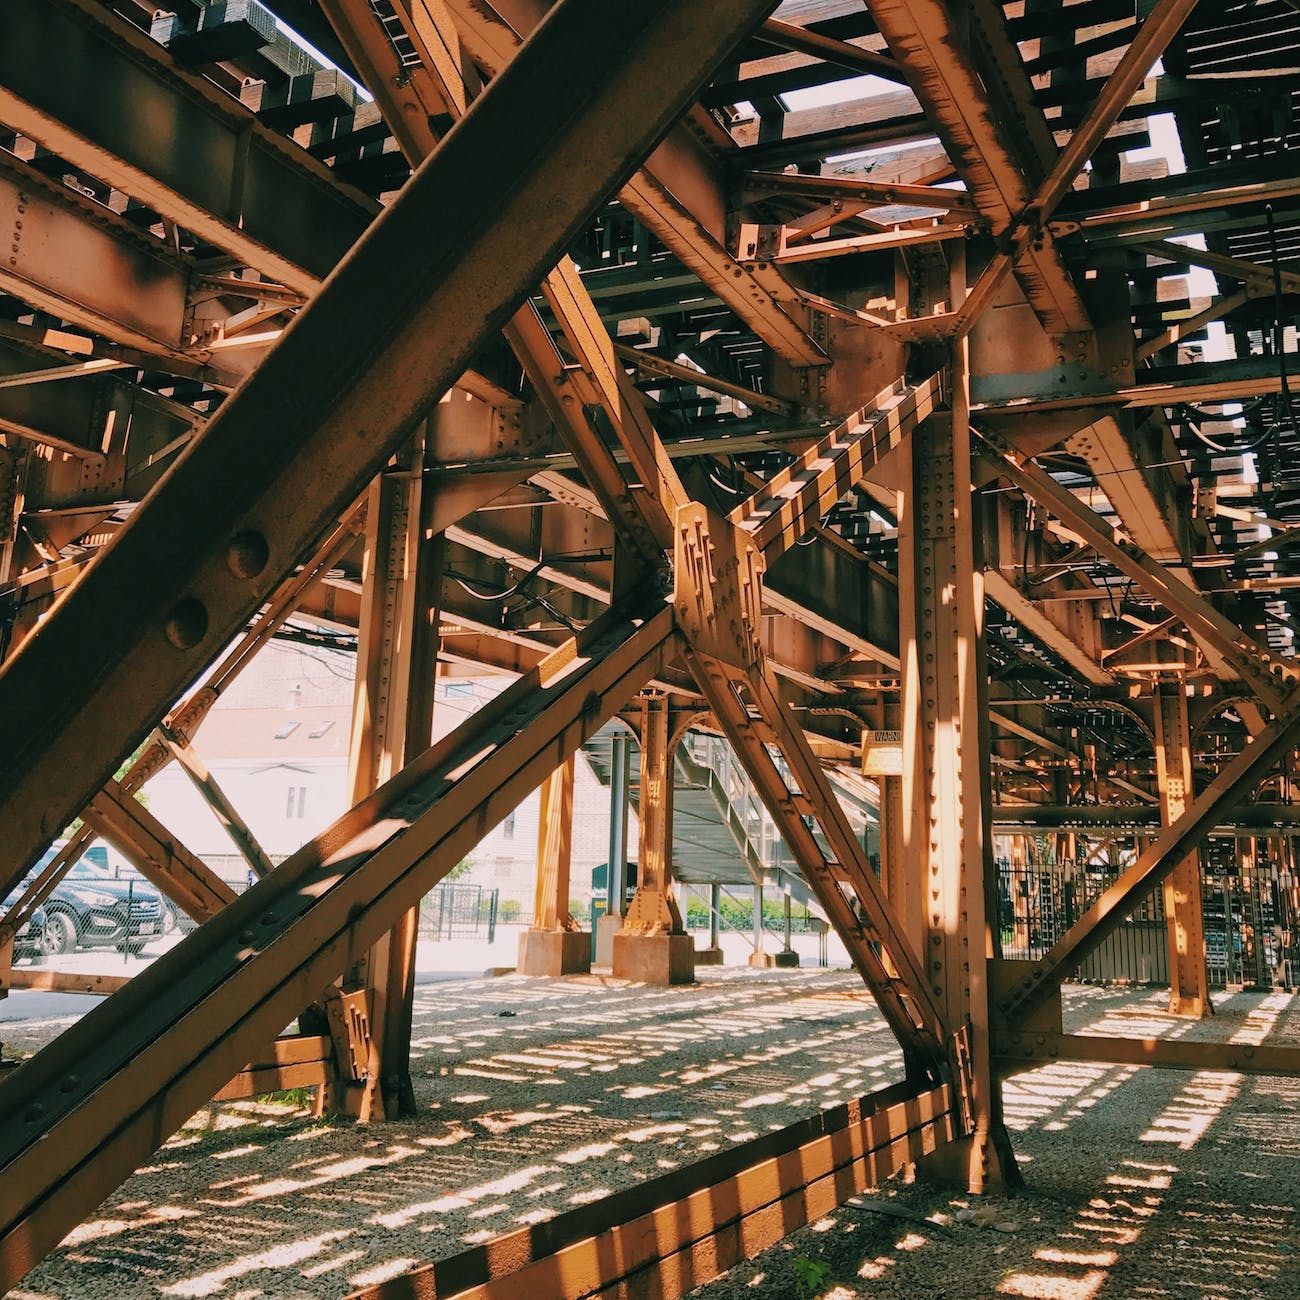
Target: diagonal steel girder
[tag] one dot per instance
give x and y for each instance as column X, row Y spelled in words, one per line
column 445, row 265
column 1234, row 784
column 87, row 1109
column 926, row 37
column 962, row 68
column 797, row 497
column 493, row 32
column 1271, row 680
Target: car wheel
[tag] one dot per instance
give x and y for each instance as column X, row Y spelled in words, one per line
column 60, row 934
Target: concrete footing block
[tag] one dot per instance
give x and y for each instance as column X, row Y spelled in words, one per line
column 607, row 927
column 554, row 952
column 762, row 960
column 661, row 959
column 708, row 956
column 787, row 959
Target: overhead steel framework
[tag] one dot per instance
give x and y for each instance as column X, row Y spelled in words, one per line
column 899, row 387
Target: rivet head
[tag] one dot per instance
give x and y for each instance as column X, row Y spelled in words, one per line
column 187, row 624
column 248, row 554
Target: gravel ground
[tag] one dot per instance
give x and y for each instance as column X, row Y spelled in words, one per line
column 1140, row 1185
column 537, row 1095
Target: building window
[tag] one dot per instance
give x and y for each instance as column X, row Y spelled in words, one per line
column 508, row 827
column 295, row 804
column 457, row 690
column 287, row 730
column 319, row 730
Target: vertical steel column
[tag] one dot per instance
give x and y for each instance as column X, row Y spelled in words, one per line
column 652, row 945
column 555, row 851
column 554, row 944
column 946, row 837
column 1189, row 979
column 715, row 904
column 392, row 722
column 758, row 919
column 653, row 909
column 616, row 866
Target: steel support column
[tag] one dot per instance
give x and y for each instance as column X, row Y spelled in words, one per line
column 554, row 945
column 652, row 945
column 392, row 722
column 941, row 603
column 1189, row 980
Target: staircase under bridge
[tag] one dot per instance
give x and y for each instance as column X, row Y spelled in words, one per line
column 721, row 833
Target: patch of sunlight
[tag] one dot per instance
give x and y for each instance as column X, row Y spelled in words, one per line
column 591, row 1152
column 515, row 1182
column 590, row 1194
column 822, row 1225
column 874, row 1269
column 283, row 1256
column 535, row 1216
column 470, row 1098
column 235, row 1152
column 757, row 1280
column 332, row 1265
column 325, row 1173
column 502, row 1121
column 382, row 1272
column 98, row 1229
column 653, row 1131
column 911, row 1241
column 1051, row 1255
column 643, row 1090
column 1047, row 1286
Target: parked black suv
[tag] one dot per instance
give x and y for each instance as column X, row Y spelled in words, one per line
column 89, row 908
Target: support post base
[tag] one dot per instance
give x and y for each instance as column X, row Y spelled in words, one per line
column 762, row 960
column 554, row 952
column 661, row 959
column 1190, row 1007
column 708, row 956
column 607, row 927
column 787, row 959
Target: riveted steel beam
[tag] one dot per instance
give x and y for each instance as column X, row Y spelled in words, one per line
column 235, row 182
column 1027, row 1051
column 448, row 263
column 657, row 196
column 93, row 1104
column 705, row 1218
column 797, row 497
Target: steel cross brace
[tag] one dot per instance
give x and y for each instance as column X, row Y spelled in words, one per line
column 796, row 498
column 444, row 266
column 718, row 600
column 717, row 621
column 1233, row 784
column 1271, row 680
column 93, row 1104
column 122, row 820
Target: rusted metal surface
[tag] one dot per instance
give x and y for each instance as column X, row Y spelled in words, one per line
column 703, row 1219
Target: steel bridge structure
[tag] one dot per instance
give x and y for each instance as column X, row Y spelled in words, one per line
column 894, row 388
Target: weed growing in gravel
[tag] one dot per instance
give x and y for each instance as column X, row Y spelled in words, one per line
column 812, row 1274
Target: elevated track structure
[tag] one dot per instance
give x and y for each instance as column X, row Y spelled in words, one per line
column 901, row 390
